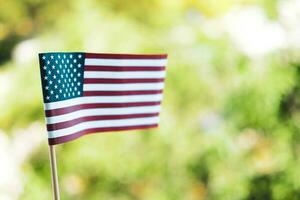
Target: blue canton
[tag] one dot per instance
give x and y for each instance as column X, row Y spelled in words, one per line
column 61, row 75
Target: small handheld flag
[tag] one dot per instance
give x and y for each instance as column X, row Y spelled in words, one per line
column 87, row 93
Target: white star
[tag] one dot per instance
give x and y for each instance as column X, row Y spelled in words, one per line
column 69, row 80
column 78, row 92
column 56, row 61
column 55, row 86
column 71, row 75
column 73, row 93
column 75, row 79
column 69, row 94
column 52, row 57
column 64, row 95
column 79, row 65
column 47, row 97
column 72, row 84
column 49, row 72
column 78, row 83
column 56, row 96
column 71, row 65
column 75, row 61
column 50, row 82
column 62, row 76
column 64, row 71
column 63, row 85
column 75, row 88
column 78, row 74
column 54, row 76
column 60, row 91
column 75, row 70
column 44, row 57
column 71, row 56
column 68, row 70
column 46, row 88
column 67, row 89
column 64, row 55
column 46, row 78
column 57, row 71
column 53, row 66
column 44, row 67
column 68, row 61
column 51, row 92
column 59, row 81
column 62, row 61
column 60, row 66
column 67, row 75
column 58, row 56
column 48, row 62
column 71, row 89
column 79, row 56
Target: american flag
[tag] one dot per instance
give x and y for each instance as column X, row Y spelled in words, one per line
column 87, row 92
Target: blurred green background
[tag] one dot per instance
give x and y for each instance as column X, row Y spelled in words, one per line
column 230, row 125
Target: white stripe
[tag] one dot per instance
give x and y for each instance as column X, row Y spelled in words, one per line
column 103, row 124
column 103, row 99
column 103, row 111
column 126, row 62
column 126, row 75
column 123, row 87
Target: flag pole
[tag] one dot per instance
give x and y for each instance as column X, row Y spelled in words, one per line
column 55, row 186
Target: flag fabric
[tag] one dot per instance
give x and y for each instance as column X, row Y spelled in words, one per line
column 86, row 93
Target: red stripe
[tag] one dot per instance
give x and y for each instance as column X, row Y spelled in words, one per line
column 65, row 110
column 125, row 56
column 117, row 81
column 62, row 125
column 121, row 93
column 63, row 139
column 123, row 68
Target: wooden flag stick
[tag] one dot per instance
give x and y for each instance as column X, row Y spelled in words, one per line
column 55, row 186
